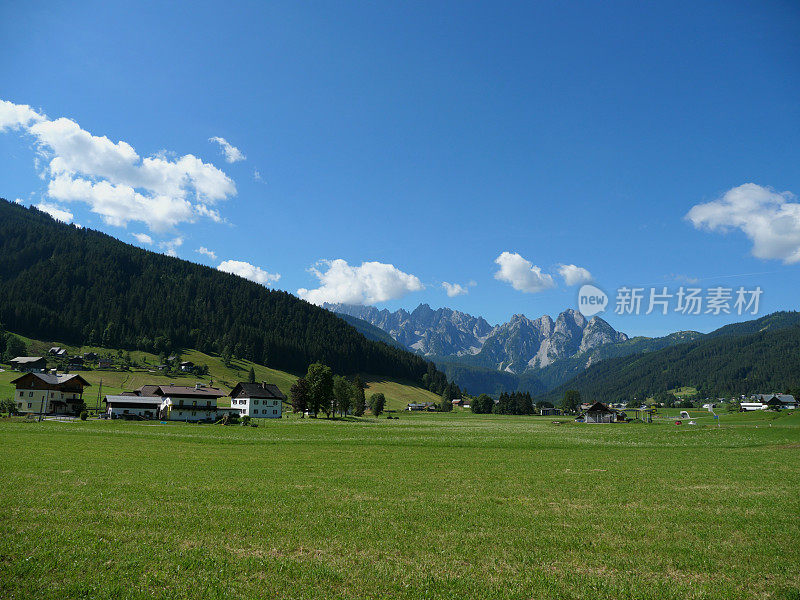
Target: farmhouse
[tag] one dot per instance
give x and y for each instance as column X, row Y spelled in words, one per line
column 460, row 402
column 600, row 413
column 49, row 394
column 185, row 403
column 260, row 400
column 187, row 365
column 778, row 401
column 145, row 407
column 548, row 412
column 33, row 364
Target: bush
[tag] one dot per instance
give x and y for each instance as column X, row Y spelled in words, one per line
column 253, row 424
column 84, row 415
column 246, row 420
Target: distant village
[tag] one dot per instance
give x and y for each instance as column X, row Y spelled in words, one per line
column 40, row 391
column 45, row 392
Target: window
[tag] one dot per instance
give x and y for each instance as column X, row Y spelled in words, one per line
column 29, row 404
column 194, row 403
column 21, row 394
column 255, row 402
column 275, row 412
column 193, row 413
column 255, row 412
column 30, row 394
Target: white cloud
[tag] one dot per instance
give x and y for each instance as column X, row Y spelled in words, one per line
column 257, row 175
column 574, row 275
column 366, row 284
column 232, row 153
column 16, row 116
column 55, row 211
column 248, row 271
column 143, row 238
column 523, row 275
column 18, row 201
column 209, row 253
column 456, row 289
column 160, row 191
column 770, row 219
column 170, row 247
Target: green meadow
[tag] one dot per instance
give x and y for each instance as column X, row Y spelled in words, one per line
column 426, row 506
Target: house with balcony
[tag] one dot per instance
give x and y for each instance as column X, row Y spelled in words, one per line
column 43, row 393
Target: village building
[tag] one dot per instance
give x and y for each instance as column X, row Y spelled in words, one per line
column 600, row 413
column 57, row 351
column 550, row 412
column 460, row 402
column 33, row 364
column 40, row 393
column 765, row 401
column 185, row 403
column 259, row 400
column 187, row 365
column 125, row 407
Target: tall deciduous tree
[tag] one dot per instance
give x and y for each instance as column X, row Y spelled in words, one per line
column 299, row 396
column 571, row 401
column 343, row 392
column 320, row 388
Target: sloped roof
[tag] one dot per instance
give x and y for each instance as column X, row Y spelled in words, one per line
column 191, row 391
column 256, row 390
column 600, row 407
column 21, row 360
column 132, row 400
column 54, row 379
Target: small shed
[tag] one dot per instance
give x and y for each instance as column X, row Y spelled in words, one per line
column 600, row 413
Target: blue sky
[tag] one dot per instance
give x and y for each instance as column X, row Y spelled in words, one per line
column 425, row 140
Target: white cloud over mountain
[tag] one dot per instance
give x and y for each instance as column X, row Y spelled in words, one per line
column 232, row 153
column 206, row 252
column 522, row 274
column 368, row 283
column 248, row 271
column 118, row 184
column 574, row 275
column 59, row 214
column 143, row 238
column 770, row 219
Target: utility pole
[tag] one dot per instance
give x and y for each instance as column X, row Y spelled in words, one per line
column 99, row 392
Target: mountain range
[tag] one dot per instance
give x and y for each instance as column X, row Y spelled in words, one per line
column 521, row 346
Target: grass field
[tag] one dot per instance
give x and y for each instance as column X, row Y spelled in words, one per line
column 428, row 506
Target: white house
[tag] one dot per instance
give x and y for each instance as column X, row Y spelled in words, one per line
column 184, row 403
column 145, row 407
column 765, row 401
column 258, row 400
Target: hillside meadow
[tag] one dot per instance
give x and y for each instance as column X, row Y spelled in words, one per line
column 427, row 506
column 398, row 393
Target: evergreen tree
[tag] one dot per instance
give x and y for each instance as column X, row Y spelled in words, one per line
column 377, row 402
column 251, row 376
column 446, row 402
column 360, row 399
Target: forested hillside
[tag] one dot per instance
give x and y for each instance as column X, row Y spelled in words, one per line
column 758, row 356
column 81, row 286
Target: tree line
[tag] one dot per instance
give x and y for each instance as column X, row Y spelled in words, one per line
column 83, row 287
column 320, row 390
